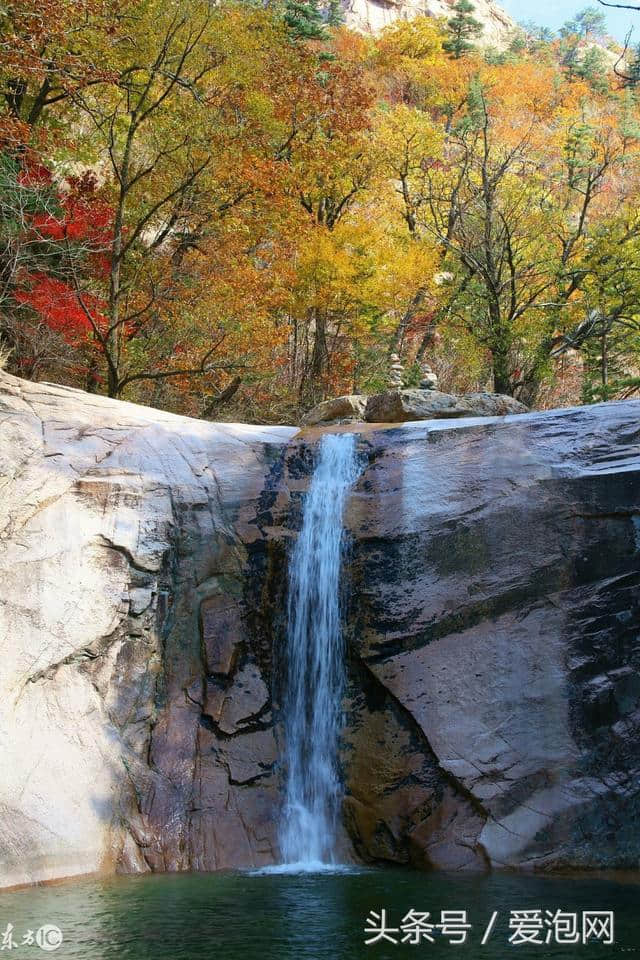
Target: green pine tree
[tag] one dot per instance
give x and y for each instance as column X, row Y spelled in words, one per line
column 589, row 24
column 305, row 20
column 335, row 16
column 594, row 68
column 570, row 54
column 632, row 73
column 462, row 28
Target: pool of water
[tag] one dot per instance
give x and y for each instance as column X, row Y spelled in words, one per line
column 279, row 916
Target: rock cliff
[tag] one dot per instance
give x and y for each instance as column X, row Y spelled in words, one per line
column 493, row 708
column 372, row 15
column 134, row 728
column 496, row 694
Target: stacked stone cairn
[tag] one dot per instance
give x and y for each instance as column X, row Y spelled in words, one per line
column 396, row 373
column 428, row 380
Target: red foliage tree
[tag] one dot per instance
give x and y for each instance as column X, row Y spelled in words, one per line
column 67, row 234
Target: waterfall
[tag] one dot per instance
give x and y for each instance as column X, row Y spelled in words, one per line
column 315, row 661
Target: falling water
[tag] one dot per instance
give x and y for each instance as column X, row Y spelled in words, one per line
column 315, row 662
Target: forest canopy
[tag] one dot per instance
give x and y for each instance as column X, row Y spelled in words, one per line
column 234, row 211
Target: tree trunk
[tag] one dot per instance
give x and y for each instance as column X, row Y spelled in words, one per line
column 395, row 345
column 223, row 397
column 605, row 358
column 502, row 382
column 320, row 353
column 114, row 338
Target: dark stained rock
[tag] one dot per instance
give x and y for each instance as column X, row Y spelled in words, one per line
column 398, row 806
column 222, row 632
column 233, row 707
column 496, row 569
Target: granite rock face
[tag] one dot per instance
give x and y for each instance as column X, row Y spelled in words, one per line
column 496, row 567
column 350, row 407
column 403, row 405
column 400, row 406
column 135, row 731
column 492, row 622
column 373, row 15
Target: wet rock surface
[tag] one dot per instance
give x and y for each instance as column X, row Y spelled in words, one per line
column 497, row 568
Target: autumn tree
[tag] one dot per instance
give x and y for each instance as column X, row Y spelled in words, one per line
column 330, row 165
column 408, row 140
column 511, row 207
column 50, row 233
column 239, row 209
column 49, row 51
column 606, row 330
column 178, row 125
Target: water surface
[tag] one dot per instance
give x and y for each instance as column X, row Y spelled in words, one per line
column 241, row 916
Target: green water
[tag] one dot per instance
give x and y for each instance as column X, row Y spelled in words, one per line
column 238, row 916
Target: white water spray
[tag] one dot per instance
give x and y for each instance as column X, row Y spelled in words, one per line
column 315, row 662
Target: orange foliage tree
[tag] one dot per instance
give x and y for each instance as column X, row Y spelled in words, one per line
column 206, row 209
